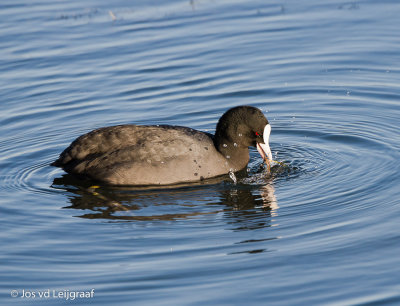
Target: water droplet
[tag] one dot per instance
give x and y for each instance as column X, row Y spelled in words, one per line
column 224, row 145
column 232, row 176
column 235, row 144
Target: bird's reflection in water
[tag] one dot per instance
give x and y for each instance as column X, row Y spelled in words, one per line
column 241, row 207
column 246, row 206
column 238, row 202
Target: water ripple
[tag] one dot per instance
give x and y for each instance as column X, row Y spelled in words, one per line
column 321, row 227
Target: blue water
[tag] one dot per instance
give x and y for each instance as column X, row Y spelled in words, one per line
column 322, row 230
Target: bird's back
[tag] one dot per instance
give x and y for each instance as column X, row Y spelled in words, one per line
column 143, row 155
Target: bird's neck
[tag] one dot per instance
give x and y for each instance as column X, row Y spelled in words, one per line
column 236, row 156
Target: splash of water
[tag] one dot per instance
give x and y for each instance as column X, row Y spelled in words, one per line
column 232, row 176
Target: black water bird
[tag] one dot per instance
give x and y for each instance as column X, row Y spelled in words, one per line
column 165, row 154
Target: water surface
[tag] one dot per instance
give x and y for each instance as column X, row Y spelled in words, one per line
column 323, row 230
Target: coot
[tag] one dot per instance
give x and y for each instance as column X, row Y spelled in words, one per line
column 165, row 154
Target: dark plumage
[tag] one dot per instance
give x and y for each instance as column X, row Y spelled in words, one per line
column 163, row 154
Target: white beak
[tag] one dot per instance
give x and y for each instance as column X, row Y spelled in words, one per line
column 263, row 148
